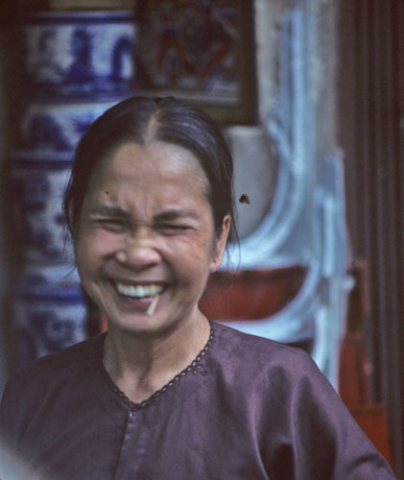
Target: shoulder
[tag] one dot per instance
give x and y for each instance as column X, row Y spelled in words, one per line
column 46, row 387
column 55, row 367
column 261, row 352
column 294, row 408
column 253, row 363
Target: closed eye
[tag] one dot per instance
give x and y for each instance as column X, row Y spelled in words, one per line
column 173, row 227
column 112, row 224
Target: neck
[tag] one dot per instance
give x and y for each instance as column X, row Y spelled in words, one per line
column 140, row 364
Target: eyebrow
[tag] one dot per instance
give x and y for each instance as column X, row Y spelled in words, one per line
column 174, row 214
column 109, row 211
column 163, row 216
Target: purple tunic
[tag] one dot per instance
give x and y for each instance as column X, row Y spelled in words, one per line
column 247, row 408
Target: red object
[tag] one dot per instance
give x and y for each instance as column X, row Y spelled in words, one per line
column 251, row 294
column 372, row 419
column 355, row 370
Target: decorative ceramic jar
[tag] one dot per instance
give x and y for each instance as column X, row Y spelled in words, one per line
column 57, row 126
column 79, row 53
column 49, row 311
column 75, row 65
column 39, row 187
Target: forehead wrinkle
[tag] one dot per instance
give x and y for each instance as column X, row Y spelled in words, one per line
column 116, row 179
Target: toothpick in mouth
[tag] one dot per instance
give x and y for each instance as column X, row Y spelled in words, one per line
column 153, row 305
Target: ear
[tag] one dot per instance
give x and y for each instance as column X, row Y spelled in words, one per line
column 220, row 245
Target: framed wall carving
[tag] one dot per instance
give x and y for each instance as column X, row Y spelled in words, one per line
column 202, row 51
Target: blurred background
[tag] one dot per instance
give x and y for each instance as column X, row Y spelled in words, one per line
column 309, row 94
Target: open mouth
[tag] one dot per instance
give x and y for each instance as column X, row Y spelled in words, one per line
column 139, row 291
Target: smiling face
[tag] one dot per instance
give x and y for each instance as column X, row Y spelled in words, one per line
column 146, row 228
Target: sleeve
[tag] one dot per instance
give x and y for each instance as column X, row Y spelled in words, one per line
column 319, row 437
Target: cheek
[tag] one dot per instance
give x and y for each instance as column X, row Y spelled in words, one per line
column 89, row 248
column 192, row 257
column 84, row 258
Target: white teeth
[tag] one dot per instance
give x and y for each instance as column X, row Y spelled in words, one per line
column 139, row 291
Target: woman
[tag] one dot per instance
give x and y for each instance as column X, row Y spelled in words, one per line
column 166, row 393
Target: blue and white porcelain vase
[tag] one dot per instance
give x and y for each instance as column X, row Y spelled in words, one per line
column 39, row 187
column 49, row 311
column 75, row 65
column 52, row 129
column 79, row 54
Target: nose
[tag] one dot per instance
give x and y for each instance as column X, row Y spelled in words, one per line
column 139, row 251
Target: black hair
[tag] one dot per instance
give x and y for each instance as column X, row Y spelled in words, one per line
column 174, row 122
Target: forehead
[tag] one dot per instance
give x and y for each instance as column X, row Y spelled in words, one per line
column 150, row 166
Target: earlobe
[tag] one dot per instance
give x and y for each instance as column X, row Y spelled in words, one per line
column 215, row 264
column 220, row 244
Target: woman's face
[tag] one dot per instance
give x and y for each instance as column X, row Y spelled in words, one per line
column 146, row 229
